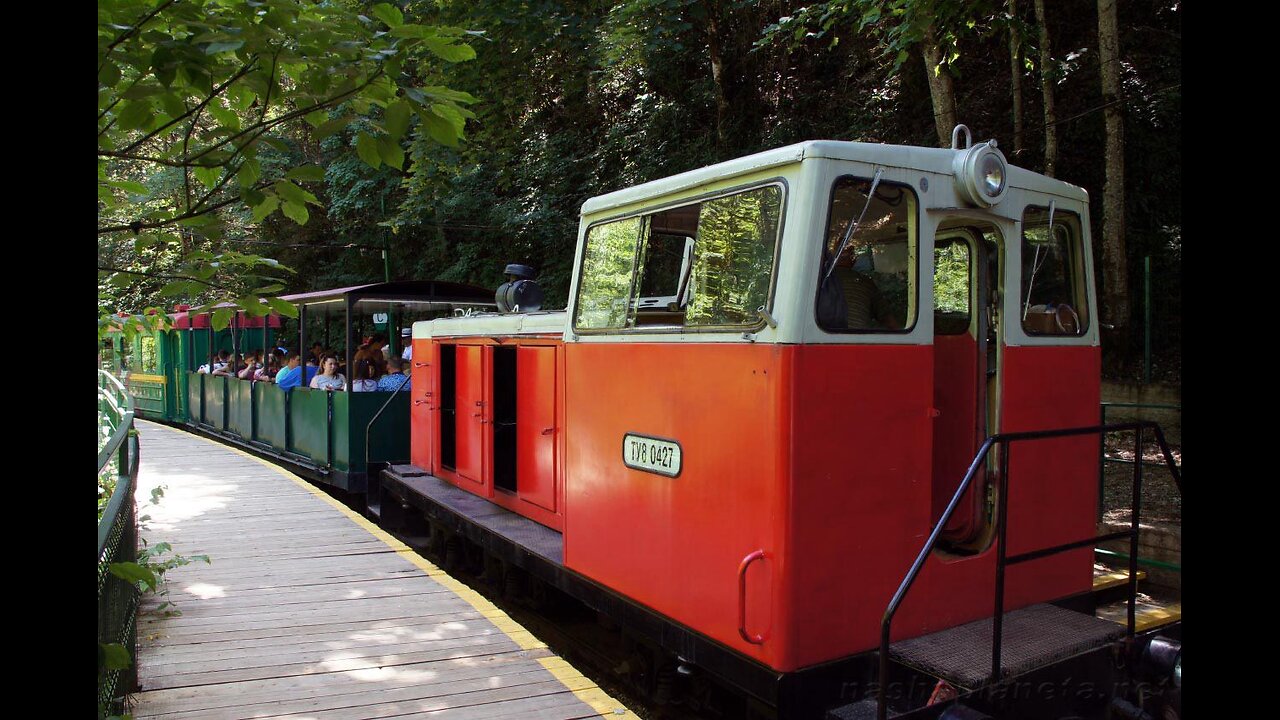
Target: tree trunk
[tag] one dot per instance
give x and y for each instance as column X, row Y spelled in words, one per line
column 941, row 89
column 715, row 46
column 1115, row 274
column 1015, row 77
column 1046, row 85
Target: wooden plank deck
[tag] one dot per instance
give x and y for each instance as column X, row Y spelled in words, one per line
column 309, row 611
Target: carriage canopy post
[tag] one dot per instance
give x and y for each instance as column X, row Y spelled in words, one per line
column 302, row 336
column 349, row 303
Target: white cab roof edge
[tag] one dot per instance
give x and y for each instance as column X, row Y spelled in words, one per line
column 932, row 160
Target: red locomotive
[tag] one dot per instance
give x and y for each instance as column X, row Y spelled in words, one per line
column 771, row 379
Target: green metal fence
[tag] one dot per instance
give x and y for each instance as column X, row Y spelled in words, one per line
column 117, row 543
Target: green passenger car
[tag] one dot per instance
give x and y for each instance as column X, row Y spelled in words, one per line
column 328, row 437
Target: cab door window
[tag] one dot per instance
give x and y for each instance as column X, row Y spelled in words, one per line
column 869, row 285
column 1054, row 301
column 951, row 287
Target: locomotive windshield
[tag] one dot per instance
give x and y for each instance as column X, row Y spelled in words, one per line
column 706, row 265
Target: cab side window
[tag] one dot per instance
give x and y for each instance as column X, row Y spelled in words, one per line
column 704, row 265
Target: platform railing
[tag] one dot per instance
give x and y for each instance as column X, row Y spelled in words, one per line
column 117, row 543
column 1003, row 560
column 373, row 492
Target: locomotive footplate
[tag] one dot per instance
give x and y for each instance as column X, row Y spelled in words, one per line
column 539, row 551
column 1032, row 637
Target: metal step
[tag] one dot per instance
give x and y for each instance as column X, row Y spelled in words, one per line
column 866, row 710
column 1033, row 637
column 861, row 710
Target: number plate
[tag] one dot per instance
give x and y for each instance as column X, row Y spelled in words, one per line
column 654, row 455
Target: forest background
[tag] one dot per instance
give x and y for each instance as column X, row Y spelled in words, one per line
column 248, row 149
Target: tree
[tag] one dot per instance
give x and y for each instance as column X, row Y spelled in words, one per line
column 1015, row 77
column 1047, row 77
column 1115, row 271
column 193, row 95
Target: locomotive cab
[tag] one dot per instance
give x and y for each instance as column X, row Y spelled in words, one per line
column 772, row 375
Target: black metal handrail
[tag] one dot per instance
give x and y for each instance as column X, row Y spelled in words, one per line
column 117, row 543
column 368, row 429
column 1002, row 560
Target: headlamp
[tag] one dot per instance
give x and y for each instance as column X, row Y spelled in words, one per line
column 981, row 174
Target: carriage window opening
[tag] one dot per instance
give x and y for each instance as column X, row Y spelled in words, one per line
column 873, row 285
column 707, row 264
column 951, row 289
column 1053, row 299
column 150, row 362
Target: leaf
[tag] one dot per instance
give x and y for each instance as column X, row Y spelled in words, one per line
column 208, row 177
column 251, row 306
column 284, row 307
column 411, row 31
column 176, row 288
column 309, row 173
column 134, row 115
column 443, row 93
column 128, row 186
column 397, row 119
column 249, row 172
column 389, row 14
column 391, row 153
column 265, row 208
column 440, row 130
column 269, row 289
column 332, row 127
column 277, row 143
column 251, row 197
column 221, row 318
column 296, row 212
column 317, row 117
column 134, row 573
column 114, row 656
column 142, row 242
column 109, row 75
column 225, row 116
column 367, row 149
column 220, row 47
column 449, row 51
column 291, row 192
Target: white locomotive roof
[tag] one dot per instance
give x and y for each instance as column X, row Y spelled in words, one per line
column 497, row 324
column 932, row 160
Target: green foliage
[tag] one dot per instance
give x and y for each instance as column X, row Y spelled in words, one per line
column 573, row 99
column 113, row 656
column 200, row 108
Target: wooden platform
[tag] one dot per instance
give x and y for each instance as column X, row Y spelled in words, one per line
column 307, row 610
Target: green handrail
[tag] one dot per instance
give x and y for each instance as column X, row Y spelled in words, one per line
column 123, row 417
column 117, row 543
column 1141, row 560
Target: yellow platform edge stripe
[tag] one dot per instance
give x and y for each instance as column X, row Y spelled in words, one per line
column 582, row 687
column 1107, row 581
column 1147, row 618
